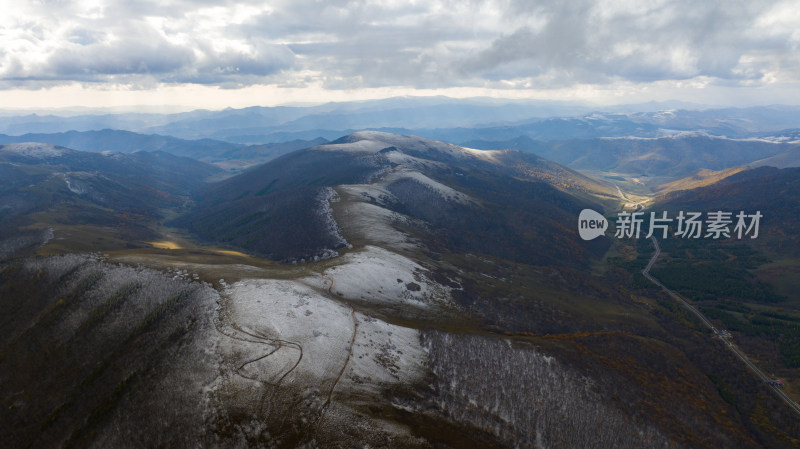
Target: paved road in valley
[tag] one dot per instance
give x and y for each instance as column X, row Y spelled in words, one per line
column 718, row 333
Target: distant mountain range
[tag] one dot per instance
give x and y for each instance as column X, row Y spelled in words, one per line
column 440, row 118
column 674, row 156
column 224, row 154
column 394, row 112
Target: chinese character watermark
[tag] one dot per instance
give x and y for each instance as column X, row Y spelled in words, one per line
column 690, row 225
column 686, row 225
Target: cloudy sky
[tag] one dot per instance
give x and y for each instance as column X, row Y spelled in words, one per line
column 215, row 54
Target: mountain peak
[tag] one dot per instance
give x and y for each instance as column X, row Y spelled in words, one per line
column 375, row 141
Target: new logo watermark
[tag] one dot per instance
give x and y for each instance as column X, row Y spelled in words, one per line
column 687, row 225
column 591, row 224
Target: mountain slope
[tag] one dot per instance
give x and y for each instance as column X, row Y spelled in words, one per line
column 223, row 154
column 452, row 120
column 702, row 178
column 506, row 203
column 462, row 312
column 674, row 157
column 126, row 142
column 787, row 159
column 47, row 184
column 770, row 190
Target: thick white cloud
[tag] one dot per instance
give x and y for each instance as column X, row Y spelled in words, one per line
column 135, row 42
column 601, row 42
column 503, row 44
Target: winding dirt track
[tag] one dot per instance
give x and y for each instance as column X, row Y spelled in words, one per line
column 267, row 399
column 350, row 349
column 267, row 405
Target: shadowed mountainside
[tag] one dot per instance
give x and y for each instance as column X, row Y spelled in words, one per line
column 674, row 156
column 506, row 203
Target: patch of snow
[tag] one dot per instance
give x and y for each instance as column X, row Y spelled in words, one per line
column 383, row 354
column 74, row 187
column 400, row 158
column 367, row 217
column 595, row 116
column 442, row 190
column 375, row 275
column 374, row 141
column 672, row 135
column 781, row 139
column 486, row 155
column 368, row 192
column 297, row 322
column 324, row 200
column 374, row 224
column 47, row 235
column 664, row 115
column 361, row 146
column 34, row 149
column 768, row 139
column 308, row 338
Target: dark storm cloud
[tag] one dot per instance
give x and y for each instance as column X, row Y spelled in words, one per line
column 340, row 44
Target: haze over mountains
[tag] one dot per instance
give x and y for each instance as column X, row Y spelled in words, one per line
column 673, row 156
column 300, row 277
column 225, row 154
column 673, row 143
column 436, row 117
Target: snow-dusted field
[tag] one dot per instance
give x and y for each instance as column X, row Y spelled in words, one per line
column 440, row 189
column 33, row 149
column 309, row 334
column 362, row 146
column 375, row 225
column 377, row 276
column 363, row 216
column 374, row 141
column 294, row 353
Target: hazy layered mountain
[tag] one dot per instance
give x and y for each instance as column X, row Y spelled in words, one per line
column 44, row 184
column 454, row 120
column 674, row 156
column 785, row 159
column 503, row 122
column 127, row 142
column 224, row 154
column 57, row 123
column 730, row 122
column 395, row 112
